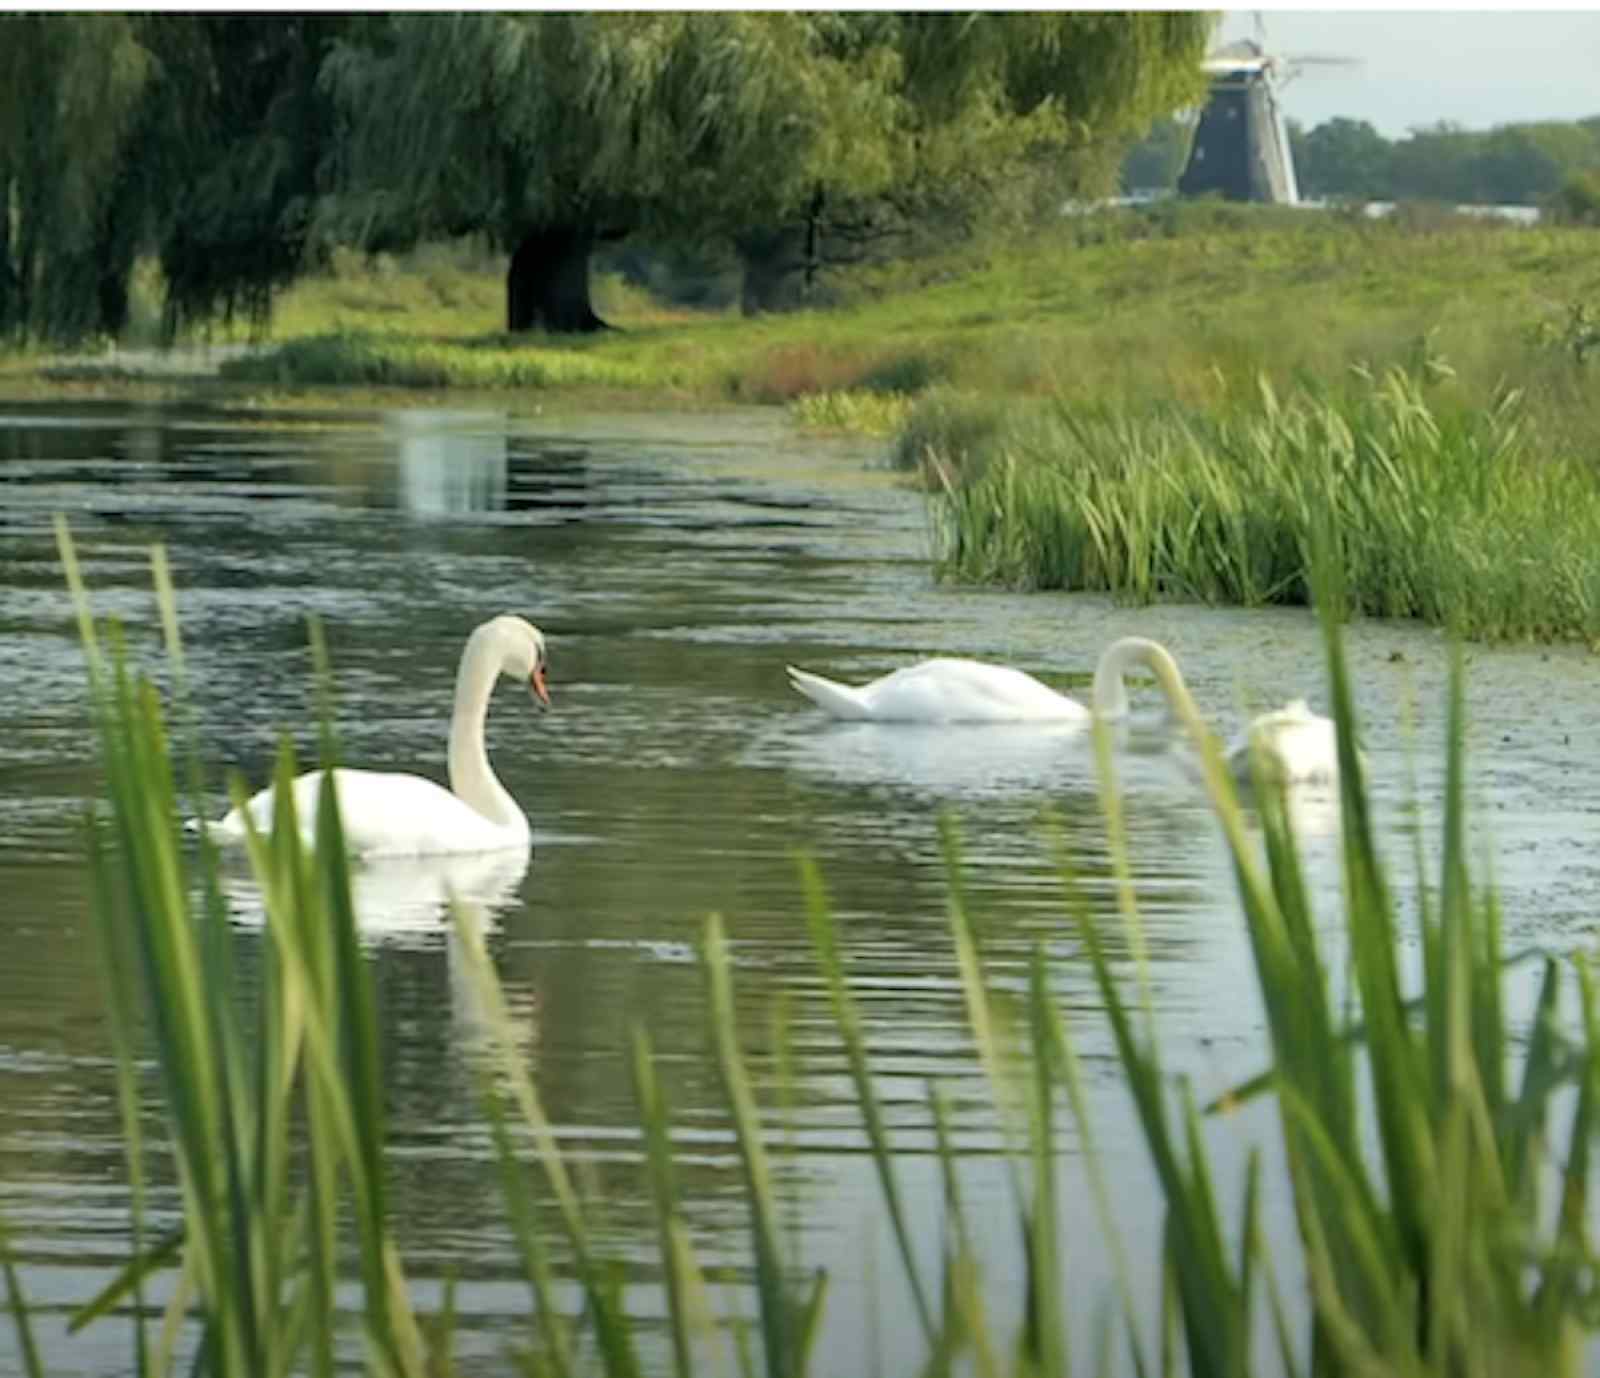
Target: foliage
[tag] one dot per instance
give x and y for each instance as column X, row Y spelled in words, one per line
column 1577, row 200
column 70, row 90
column 194, row 137
column 709, row 127
column 1444, row 512
column 1157, row 160
column 374, row 360
column 1442, row 1216
column 864, row 413
column 1511, row 164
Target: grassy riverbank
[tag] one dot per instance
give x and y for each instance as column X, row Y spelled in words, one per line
column 1442, row 1221
column 1153, row 402
column 1123, row 307
column 1456, row 513
column 1177, row 303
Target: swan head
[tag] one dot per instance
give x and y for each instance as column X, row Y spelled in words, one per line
column 520, row 648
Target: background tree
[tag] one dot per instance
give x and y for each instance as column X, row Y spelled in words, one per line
column 195, row 138
column 556, row 132
column 1511, row 164
column 70, row 89
column 228, row 153
column 1157, row 160
column 1000, row 118
column 1342, row 158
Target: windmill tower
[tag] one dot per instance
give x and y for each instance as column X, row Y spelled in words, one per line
column 1241, row 148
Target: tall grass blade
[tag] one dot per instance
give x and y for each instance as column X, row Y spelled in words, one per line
column 825, row 942
column 778, row 1339
column 17, row 1303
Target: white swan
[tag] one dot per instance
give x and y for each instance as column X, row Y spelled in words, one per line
column 406, row 815
column 948, row 691
column 1297, row 747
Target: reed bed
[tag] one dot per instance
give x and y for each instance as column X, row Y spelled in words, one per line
column 1443, row 1221
column 1457, row 515
column 854, row 410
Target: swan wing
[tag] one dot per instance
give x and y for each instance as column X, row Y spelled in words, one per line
column 384, row 814
column 950, row 690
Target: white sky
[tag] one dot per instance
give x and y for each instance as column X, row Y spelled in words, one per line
column 1476, row 68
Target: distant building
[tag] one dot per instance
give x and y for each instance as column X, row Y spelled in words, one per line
column 1241, row 148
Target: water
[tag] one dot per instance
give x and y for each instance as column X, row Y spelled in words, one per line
column 676, row 564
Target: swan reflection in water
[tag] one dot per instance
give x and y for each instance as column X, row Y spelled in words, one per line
column 403, row 902
column 983, row 761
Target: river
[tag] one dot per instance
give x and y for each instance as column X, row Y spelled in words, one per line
column 676, row 563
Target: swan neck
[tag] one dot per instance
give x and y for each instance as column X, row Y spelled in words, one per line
column 472, row 779
column 1110, row 690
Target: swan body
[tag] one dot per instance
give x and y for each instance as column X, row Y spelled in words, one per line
column 389, row 814
column 970, row 691
column 1297, row 746
column 942, row 690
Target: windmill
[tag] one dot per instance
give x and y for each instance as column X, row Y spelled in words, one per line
column 1240, row 146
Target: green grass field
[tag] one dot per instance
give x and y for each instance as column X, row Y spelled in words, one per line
column 1178, row 304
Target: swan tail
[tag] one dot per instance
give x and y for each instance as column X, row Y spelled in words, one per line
column 837, row 700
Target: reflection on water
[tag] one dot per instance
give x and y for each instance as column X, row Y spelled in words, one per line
column 676, row 563
column 449, row 463
column 404, row 900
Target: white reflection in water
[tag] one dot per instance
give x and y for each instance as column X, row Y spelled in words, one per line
column 402, row 900
column 964, row 760
column 449, row 462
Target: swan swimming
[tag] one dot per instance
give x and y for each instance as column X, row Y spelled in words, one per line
column 970, row 691
column 392, row 814
column 1299, row 745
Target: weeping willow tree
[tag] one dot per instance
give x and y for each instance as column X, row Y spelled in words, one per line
column 557, row 132
column 554, row 133
column 999, row 118
column 235, row 136
column 195, row 139
column 70, row 91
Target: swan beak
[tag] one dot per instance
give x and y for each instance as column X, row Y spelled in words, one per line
column 537, row 685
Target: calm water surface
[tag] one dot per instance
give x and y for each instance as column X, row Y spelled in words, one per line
column 676, row 564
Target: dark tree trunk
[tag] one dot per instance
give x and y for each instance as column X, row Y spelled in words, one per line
column 8, row 291
column 547, row 287
column 772, row 260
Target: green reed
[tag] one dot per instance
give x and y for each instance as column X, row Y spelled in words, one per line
column 1458, row 516
column 1442, row 1224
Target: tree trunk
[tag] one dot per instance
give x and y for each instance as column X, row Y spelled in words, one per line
column 771, row 260
column 8, row 308
column 547, row 287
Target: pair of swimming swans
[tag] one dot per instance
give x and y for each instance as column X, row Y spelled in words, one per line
column 1295, row 744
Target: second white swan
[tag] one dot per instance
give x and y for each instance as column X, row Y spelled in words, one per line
column 390, row 814
column 955, row 691
column 1298, row 745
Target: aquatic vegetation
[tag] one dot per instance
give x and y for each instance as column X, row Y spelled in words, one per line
column 865, row 413
column 1438, row 1155
column 1451, row 513
column 403, row 361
